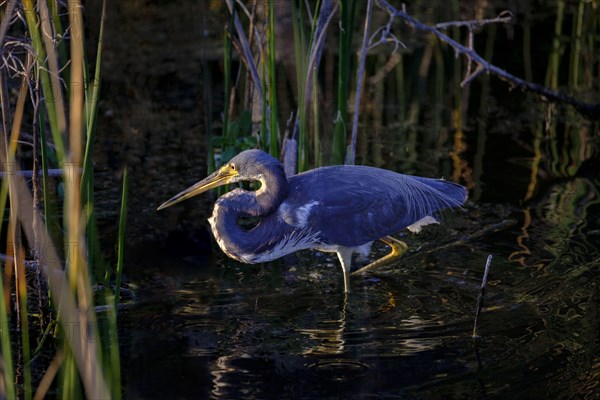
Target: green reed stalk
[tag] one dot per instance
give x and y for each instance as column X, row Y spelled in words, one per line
column 8, row 374
column 227, row 60
column 272, row 87
column 439, row 90
column 554, row 62
column 456, row 119
column 301, row 55
column 113, row 369
column 8, row 380
column 121, row 242
column 322, row 17
column 593, row 42
column 22, row 294
column 316, row 138
column 391, row 98
column 14, row 235
column 377, row 89
column 264, row 132
column 402, row 95
column 347, row 17
column 91, row 372
column 228, row 144
column 58, row 116
column 73, row 299
column 378, row 93
column 71, row 216
column 552, row 83
column 574, row 69
column 49, row 81
column 69, row 385
column 92, row 95
column 527, row 50
column 48, row 211
column 63, row 53
column 207, row 93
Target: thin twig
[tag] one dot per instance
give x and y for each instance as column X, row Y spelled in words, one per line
column 504, row 17
column 481, row 297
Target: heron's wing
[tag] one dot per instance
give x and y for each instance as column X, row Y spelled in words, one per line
column 354, row 205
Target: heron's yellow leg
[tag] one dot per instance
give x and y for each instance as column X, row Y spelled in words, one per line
column 398, row 248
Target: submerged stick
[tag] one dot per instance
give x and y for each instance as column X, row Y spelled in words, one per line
column 481, row 297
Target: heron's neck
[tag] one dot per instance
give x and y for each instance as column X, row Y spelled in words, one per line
column 272, row 192
column 235, row 241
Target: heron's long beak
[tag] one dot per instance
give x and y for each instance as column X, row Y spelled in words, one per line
column 220, row 177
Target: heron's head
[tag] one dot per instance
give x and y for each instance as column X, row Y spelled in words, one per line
column 249, row 165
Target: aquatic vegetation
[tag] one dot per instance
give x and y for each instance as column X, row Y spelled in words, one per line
column 51, row 254
column 290, row 87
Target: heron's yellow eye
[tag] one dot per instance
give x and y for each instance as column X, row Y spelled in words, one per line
column 232, row 167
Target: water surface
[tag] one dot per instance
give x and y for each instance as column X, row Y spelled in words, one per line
column 204, row 326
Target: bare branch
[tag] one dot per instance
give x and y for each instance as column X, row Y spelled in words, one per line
column 386, row 35
column 589, row 110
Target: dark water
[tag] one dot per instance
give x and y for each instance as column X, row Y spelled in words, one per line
column 204, row 326
column 220, row 329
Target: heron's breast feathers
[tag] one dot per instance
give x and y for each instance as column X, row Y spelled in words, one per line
column 296, row 240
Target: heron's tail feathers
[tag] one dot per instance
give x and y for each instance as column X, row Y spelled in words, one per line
column 454, row 194
column 453, row 190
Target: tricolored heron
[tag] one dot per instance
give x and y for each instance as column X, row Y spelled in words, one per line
column 340, row 209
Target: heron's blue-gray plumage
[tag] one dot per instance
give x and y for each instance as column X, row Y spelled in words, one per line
column 363, row 204
column 325, row 208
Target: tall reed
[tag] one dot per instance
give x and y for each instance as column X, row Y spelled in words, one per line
column 272, row 80
column 347, row 17
column 71, row 113
column 308, row 46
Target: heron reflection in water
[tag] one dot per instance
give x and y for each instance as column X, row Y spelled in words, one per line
column 341, row 209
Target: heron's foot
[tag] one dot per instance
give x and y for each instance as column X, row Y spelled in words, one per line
column 398, row 248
